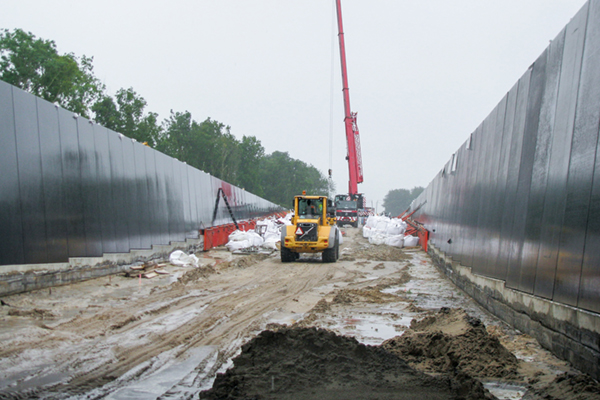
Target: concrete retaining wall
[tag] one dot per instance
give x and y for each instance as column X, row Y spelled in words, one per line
column 514, row 216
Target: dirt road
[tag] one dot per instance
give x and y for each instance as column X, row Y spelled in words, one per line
column 167, row 337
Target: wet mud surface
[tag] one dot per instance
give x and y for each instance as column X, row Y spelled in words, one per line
column 380, row 323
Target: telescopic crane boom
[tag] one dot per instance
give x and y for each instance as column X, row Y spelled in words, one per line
column 352, row 136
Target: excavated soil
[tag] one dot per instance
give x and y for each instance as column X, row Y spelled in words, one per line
column 310, row 363
column 567, row 386
column 451, row 341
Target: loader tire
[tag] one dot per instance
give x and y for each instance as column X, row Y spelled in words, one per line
column 332, row 254
column 287, row 255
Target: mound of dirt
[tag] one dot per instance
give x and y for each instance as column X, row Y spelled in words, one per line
column 196, row 274
column 452, row 342
column 33, row 313
column 368, row 294
column 309, row 363
column 567, row 386
column 380, row 253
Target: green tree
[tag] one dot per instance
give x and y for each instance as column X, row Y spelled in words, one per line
column 396, row 201
column 35, row 66
column 251, row 155
column 283, row 177
column 125, row 114
column 208, row 145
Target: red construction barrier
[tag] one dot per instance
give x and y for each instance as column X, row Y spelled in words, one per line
column 219, row 235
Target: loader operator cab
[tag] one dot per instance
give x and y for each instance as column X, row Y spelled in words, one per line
column 310, row 208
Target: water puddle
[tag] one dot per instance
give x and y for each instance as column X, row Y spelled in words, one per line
column 506, row 391
column 371, row 329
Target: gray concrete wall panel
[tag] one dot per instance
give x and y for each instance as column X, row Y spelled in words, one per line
column 541, row 159
column 11, row 234
column 460, row 196
column 505, row 205
column 132, row 206
column 161, row 191
column 464, row 164
column 486, row 178
column 144, row 207
column 52, row 178
column 69, row 143
column 104, row 179
column 154, row 211
column 89, row 186
column 510, row 212
column 120, row 192
column 518, row 277
column 589, row 292
column 30, row 178
column 492, row 212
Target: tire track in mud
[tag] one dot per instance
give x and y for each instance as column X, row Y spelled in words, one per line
column 233, row 312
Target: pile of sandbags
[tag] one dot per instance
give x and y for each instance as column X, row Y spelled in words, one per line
column 271, row 232
column 239, row 240
column 389, row 231
column 266, row 235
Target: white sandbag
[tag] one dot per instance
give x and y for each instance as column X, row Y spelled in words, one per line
column 367, row 232
column 238, row 245
column 411, row 241
column 271, row 245
column 396, row 241
column 242, row 240
column 394, row 228
column 381, row 225
column 371, row 221
column 178, row 257
column 377, row 239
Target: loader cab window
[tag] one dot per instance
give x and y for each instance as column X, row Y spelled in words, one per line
column 310, row 208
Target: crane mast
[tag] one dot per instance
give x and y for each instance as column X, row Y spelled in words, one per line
column 352, row 136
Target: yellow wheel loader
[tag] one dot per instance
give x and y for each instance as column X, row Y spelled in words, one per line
column 313, row 230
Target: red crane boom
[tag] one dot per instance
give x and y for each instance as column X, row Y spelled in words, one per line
column 352, row 136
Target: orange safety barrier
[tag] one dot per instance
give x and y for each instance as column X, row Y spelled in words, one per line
column 417, row 229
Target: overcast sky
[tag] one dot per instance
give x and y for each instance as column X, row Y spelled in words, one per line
column 422, row 74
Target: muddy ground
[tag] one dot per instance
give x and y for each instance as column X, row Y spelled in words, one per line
column 380, row 323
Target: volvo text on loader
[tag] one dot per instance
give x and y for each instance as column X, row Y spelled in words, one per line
column 313, row 230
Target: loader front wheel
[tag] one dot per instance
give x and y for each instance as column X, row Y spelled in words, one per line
column 287, row 255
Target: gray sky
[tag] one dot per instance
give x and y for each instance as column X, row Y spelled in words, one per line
column 422, row 74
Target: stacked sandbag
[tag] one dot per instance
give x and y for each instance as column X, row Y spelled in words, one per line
column 239, row 240
column 272, row 232
column 380, row 230
column 411, row 241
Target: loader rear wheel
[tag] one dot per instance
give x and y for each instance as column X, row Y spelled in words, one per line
column 287, row 255
column 332, row 254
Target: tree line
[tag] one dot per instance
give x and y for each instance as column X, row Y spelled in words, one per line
column 397, row 201
column 34, row 65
